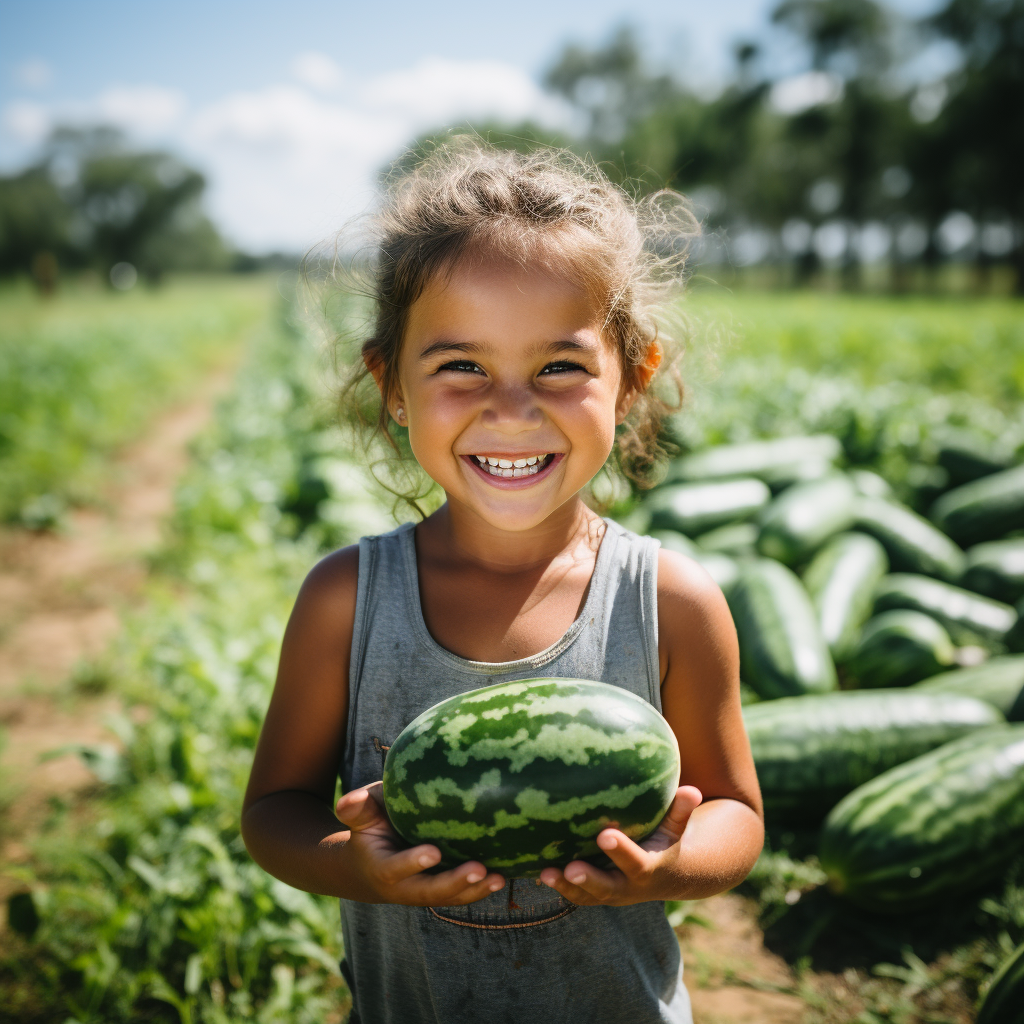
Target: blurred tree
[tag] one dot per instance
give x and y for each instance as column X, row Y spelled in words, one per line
column 142, row 208
column 843, row 148
column 977, row 138
column 34, row 222
column 92, row 200
column 861, row 163
column 851, row 38
column 611, row 86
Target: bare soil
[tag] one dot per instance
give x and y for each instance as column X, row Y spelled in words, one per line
column 731, row 977
column 62, row 596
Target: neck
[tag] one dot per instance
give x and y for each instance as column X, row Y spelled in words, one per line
column 464, row 533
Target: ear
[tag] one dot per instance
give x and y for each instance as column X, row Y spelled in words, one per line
column 644, row 375
column 375, row 365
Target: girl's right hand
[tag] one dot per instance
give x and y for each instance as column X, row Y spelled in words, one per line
column 375, row 862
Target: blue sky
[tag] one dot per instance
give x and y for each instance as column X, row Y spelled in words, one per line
column 290, row 110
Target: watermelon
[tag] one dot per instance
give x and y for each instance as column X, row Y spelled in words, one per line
column 524, row 775
column 778, row 462
column 811, row 751
column 900, row 647
column 782, row 653
column 984, row 509
column 999, row 681
column 934, row 827
column 803, row 517
column 841, row 581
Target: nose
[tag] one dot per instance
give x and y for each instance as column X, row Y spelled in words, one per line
column 512, row 409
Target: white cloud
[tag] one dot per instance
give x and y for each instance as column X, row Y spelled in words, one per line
column 287, row 167
column 317, row 71
column 801, row 92
column 140, row 109
column 28, row 122
column 33, row 74
column 430, row 91
column 284, row 118
column 290, row 163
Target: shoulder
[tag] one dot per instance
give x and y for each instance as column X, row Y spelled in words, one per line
column 693, row 617
column 327, row 597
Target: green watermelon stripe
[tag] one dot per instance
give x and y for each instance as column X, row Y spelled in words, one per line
column 936, row 826
column 525, row 774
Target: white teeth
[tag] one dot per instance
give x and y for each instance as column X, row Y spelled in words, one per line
column 508, row 468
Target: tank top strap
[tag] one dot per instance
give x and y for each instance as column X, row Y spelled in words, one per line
column 623, row 599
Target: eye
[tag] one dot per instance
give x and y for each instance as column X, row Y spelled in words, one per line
column 563, row 366
column 460, row 366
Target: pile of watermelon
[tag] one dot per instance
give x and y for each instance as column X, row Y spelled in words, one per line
column 882, row 653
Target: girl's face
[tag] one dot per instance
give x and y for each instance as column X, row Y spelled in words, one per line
column 510, row 392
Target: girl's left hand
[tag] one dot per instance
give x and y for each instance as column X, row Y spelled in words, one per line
column 646, row 871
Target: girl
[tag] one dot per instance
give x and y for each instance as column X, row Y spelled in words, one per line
column 513, row 342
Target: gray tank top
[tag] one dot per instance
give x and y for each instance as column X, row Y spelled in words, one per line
column 524, row 952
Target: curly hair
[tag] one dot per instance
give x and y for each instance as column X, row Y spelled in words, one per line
column 467, row 200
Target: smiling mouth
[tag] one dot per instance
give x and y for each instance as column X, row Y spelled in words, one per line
column 526, row 466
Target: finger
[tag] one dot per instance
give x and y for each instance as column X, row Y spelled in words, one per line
column 359, row 810
column 465, row 884
column 632, row 860
column 397, row 867
column 556, row 880
column 687, row 800
column 601, row 885
column 491, row 884
column 583, row 883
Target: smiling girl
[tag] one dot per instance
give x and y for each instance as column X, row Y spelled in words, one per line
column 515, row 343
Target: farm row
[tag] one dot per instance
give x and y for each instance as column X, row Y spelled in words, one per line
column 80, row 375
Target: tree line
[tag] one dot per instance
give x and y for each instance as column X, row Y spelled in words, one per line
column 858, row 160
column 92, row 201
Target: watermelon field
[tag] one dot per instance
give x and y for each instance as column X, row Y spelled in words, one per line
column 873, row 561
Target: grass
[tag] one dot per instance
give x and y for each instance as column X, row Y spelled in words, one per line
column 941, row 343
column 83, row 373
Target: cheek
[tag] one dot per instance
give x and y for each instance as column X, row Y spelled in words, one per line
column 588, row 413
column 437, row 416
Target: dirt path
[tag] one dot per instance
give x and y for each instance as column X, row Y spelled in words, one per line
column 61, row 599
column 731, row 977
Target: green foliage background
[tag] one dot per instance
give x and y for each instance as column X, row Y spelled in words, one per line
column 80, row 376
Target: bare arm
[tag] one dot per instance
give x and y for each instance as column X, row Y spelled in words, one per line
column 714, row 831
column 288, row 823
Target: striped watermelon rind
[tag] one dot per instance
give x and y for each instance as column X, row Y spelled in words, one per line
column 524, row 775
column 811, row 751
column 934, row 827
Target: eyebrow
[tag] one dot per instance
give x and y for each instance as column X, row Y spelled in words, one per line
column 471, row 347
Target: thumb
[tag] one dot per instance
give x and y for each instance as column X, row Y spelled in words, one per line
column 686, row 801
column 362, row 808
